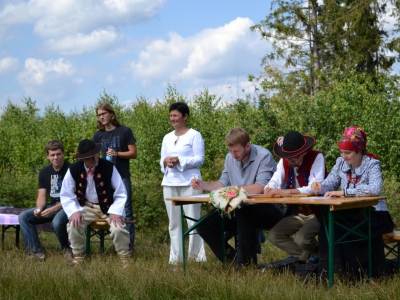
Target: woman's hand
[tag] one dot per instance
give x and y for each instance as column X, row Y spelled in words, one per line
column 171, row 161
column 334, row 194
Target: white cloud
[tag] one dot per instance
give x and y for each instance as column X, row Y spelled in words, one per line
column 102, row 39
column 213, row 54
column 66, row 17
column 9, row 65
column 50, row 80
column 73, row 27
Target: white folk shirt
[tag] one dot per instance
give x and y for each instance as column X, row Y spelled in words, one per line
column 318, row 168
column 70, row 202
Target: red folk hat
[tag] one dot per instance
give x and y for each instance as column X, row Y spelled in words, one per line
column 87, row 148
column 353, row 139
column 293, row 144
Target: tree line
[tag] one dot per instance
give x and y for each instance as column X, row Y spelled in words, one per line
column 25, row 130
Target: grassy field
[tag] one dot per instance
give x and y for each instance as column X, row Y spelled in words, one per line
column 150, row 277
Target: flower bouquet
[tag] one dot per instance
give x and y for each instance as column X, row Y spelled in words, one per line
column 228, row 198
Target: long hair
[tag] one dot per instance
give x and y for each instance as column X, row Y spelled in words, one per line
column 107, row 107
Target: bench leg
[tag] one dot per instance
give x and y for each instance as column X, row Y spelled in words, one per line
column 102, row 235
column 88, row 233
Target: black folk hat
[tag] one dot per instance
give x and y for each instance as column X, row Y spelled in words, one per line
column 87, row 148
column 293, row 144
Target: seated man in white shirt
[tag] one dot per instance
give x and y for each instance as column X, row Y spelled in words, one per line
column 93, row 189
column 298, row 168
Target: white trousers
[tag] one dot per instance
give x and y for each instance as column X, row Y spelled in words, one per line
column 196, row 244
column 119, row 234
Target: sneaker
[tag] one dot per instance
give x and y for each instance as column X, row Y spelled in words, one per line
column 130, row 250
column 37, row 255
column 125, row 260
column 78, row 259
column 67, row 253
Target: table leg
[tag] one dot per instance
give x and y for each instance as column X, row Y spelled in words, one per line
column 183, row 240
column 17, row 229
column 331, row 255
column 369, row 243
column 222, row 236
column 2, row 237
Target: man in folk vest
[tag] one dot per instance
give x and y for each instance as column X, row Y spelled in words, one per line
column 299, row 166
column 93, row 189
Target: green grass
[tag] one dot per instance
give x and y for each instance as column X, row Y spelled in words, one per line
column 150, row 277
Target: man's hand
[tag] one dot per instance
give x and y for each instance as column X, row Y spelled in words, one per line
column 76, row 219
column 116, row 220
column 316, row 186
column 48, row 213
column 270, row 192
column 38, row 213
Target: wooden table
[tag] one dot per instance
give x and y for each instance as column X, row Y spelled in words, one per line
column 335, row 204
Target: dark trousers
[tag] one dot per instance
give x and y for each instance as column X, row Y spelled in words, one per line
column 351, row 259
column 247, row 220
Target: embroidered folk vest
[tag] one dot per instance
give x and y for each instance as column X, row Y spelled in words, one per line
column 102, row 179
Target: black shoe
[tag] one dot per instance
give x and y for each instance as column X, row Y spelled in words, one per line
column 290, row 261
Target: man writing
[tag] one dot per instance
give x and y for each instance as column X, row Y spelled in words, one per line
column 299, row 166
column 249, row 167
column 93, row 190
column 50, row 180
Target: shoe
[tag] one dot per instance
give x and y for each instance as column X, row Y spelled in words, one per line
column 125, row 260
column 130, row 250
column 37, row 255
column 283, row 263
column 78, row 259
column 67, row 253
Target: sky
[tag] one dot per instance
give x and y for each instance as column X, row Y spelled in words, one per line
column 67, row 52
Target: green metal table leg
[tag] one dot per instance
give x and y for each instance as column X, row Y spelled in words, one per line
column 183, row 240
column 331, row 256
column 222, row 235
column 369, row 243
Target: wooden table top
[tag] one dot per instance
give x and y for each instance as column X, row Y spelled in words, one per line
column 335, row 203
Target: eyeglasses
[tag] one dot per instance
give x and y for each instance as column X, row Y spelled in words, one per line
column 102, row 114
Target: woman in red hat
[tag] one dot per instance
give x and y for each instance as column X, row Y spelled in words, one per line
column 357, row 173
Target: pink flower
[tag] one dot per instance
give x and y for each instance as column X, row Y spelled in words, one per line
column 231, row 194
column 280, row 141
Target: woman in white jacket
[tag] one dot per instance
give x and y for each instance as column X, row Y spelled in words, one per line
column 182, row 154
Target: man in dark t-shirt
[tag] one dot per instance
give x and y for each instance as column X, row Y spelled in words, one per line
column 50, row 181
column 119, row 146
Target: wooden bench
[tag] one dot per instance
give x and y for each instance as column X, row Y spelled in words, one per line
column 99, row 228
column 392, row 238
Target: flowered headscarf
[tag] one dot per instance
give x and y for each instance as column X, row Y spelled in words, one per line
column 355, row 139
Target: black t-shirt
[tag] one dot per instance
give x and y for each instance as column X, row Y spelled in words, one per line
column 51, row 180
column 118, row 139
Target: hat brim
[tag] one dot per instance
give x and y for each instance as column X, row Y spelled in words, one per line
column 91, row 153
column 310, row 141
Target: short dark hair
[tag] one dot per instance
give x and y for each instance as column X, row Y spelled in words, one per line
column 183, row 108
column 237, row 136
column 54, row 145
column 107, row 107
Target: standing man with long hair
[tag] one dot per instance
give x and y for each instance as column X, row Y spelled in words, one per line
column 119, row 146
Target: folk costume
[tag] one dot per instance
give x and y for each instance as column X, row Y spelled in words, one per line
column 95, row 193
column 299, row 220
column 365, row 180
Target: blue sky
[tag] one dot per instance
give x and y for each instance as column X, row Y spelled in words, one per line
column 66, row 52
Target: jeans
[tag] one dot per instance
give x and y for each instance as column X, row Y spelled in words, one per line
column 129, row 210
column 27, row 222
